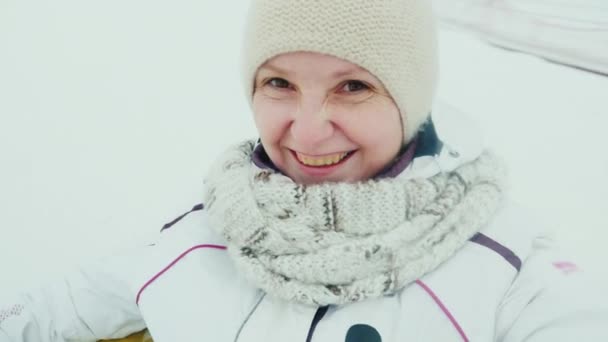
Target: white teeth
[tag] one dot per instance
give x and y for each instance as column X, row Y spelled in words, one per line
column 321, row 161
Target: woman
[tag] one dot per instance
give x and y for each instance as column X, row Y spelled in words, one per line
column 352, row 218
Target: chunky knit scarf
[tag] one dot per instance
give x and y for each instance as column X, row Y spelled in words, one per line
column 338, row 243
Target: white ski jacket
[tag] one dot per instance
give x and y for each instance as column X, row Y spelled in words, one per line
column 508, row 284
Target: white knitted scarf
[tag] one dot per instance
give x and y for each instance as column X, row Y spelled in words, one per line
column 336, row 243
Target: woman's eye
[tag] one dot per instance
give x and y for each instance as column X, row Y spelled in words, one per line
column 278, row 83
column 353, row 86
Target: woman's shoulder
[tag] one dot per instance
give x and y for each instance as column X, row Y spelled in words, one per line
column 186, row 246
column 190, row 234
column 191, row 227
column 551, row 297
column 192, row 268
column 516, row 228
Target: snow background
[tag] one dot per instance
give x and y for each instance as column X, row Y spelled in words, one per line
column 111, row 111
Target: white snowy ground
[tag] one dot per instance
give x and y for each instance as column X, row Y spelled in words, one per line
column 110, row 113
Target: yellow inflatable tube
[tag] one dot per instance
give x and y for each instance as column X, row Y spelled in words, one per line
column 139, row 337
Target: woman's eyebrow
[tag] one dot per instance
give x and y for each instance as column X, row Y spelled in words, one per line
column 346, row 72
column 336, row 74
column 274, row 68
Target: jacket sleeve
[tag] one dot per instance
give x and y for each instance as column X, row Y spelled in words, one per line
column 90, row 303
column 552, row 300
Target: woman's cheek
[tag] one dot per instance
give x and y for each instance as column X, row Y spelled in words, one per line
column 356, row 123
column 272, row 123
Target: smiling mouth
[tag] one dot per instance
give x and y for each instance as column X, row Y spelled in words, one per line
column 322, row 161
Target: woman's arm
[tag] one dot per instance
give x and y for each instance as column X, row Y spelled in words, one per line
column 92, row 302
column 552, row 300
column 99, row 301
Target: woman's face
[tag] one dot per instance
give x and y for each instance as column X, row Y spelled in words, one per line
column 321, row 118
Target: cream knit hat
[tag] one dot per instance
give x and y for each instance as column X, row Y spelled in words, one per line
column 393, row 39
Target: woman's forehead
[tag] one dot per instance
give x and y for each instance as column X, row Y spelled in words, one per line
column 310, row 62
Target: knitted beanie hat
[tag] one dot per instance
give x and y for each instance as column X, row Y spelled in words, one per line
column 395, row 40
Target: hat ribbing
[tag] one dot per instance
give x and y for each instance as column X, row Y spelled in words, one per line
column 395, row 40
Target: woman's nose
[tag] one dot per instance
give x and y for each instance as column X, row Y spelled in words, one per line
column 312, row 124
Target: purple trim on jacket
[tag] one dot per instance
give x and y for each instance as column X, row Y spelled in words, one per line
column 261, row 159
column 319, row 314
column 400, row 163
column 443, row 309
column 197, row 207
column 494, row 245
column 172, row 263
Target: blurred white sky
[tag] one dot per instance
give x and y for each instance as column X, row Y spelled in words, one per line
column 111, row 111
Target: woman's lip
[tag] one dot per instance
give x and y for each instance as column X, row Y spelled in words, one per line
column 321, row 170
column 320, row 155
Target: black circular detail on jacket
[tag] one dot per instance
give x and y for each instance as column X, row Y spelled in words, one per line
column 362, row 333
